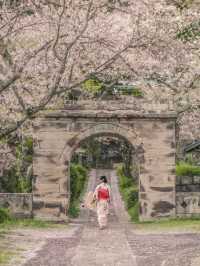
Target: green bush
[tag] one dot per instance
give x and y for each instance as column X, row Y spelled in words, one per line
column 134, row 212
column 186, row 169
column 93, row 86
column 4, row 215
column 74, row 209
column 124, row 181
column 129, row 192
column 15, row 179
column 130, row 196
column 78, row 178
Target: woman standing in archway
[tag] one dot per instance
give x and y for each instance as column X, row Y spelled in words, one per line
column 102, row 195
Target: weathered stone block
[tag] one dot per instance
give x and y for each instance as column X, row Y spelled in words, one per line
column 188, row 204
column 196, row 179
column 38, row 204
column 186, row 180
column 19, row 204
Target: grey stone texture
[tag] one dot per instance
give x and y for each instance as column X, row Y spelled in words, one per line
column 188, row 184
column 19, row 204
column 187, row 204
column 58, row 133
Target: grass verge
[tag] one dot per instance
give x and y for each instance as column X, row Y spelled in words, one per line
column 32, row 223
column 5, row 256
column 13, row 224
column 170, row 225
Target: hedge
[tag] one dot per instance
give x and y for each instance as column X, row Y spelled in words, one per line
column 4, row 215
column 129, row 192
column 186, row 169
column 78, row 178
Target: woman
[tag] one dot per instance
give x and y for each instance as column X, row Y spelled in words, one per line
column 102, row 195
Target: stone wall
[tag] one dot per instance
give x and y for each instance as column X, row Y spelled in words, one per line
column 187, row 204
column 20, row 204
column 187, row 196
column 188, row 184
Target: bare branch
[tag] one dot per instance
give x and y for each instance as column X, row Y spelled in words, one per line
column 19, row 98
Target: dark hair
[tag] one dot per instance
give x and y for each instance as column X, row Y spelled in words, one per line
column 104, row 179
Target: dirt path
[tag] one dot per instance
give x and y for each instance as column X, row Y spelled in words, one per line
column 83, row 244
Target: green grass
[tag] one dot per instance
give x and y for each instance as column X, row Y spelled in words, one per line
column 33, row 223
column 7, row 222
column 5, row 256
column 186, row 169
column 173, row 224
column 25, row 223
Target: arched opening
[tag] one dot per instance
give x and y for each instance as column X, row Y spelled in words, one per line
column 98, row 152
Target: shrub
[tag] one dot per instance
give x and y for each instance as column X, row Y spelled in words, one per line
column 4, row 215
column 129, row 191
column 134, row 212
column 15, row 178
column 73, row 209
column 78, row 178
column 186, row 169
column 130, row 196
column 124, row 181
column 93, row 86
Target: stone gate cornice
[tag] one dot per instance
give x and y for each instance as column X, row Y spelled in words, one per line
column 106, row 114
column 139, row 108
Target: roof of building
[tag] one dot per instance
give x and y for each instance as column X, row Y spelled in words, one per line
column 192, row 146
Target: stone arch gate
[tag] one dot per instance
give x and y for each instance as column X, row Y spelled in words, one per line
column 58, row 133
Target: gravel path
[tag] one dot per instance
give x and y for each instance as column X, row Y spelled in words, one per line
column 119, row 245
column 58, row 251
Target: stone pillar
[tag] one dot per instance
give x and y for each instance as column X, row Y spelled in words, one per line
column 50, row 189
column 157, row 174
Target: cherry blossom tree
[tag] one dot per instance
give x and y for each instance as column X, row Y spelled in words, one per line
column 49, row 48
